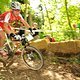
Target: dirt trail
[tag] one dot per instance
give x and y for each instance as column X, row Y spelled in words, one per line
column 50, row 71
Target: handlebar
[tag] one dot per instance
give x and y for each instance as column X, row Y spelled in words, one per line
column 20, row 35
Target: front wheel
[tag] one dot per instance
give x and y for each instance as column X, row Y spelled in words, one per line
column 33, row 58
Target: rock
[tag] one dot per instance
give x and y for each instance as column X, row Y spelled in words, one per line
column 40, row 44
column 64, row 47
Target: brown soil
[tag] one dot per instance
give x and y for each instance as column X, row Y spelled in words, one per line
column 53, row 69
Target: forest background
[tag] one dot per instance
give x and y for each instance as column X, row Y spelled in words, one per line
column 59, row 18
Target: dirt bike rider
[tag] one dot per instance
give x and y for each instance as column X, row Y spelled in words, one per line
column 6, row 22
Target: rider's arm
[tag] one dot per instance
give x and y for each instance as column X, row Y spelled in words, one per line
column 6, row 26
column 6, row 29
column 24, row 22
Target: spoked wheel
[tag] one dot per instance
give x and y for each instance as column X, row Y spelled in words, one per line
column 5, row 61
column 33, row 58
column 2, row 63
column 8, row 59
column 3, row 58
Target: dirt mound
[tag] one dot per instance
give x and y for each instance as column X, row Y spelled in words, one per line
column 55, row 68
column 64, row 47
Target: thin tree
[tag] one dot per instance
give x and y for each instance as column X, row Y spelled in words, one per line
column 68, row 18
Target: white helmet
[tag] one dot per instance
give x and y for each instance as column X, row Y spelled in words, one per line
column 15, row 5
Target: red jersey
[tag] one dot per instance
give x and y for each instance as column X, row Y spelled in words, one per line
column 10, row 18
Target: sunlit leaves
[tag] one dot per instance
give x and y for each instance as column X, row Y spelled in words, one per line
column 4, row 5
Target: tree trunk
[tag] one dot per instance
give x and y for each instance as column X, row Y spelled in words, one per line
column 29, row 19
column 68, row 18
column 25, row 12
column 67, row 14
column 48, row 18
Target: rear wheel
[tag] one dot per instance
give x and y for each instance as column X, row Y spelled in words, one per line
column 33, row 58
column 6, row 60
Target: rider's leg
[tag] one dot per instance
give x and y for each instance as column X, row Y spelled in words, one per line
column 2, row 40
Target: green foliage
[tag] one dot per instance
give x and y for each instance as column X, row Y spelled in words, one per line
column 69, row 34
column 4, row 5
column 41, row 34
column 58, row 36
column 51, row 14
column 37, row 19
column 74, row 13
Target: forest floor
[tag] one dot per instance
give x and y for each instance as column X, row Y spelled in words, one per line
column 55, row 68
